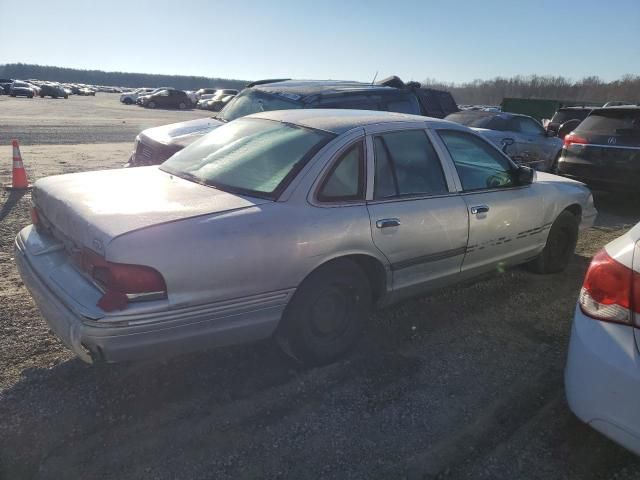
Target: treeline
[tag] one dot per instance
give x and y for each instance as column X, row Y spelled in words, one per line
column 589, row 89
column 24, row 71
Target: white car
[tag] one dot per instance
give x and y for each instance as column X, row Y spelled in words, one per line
column 129, row 98
column 602, row 377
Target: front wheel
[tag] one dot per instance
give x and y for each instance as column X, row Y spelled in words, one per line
column 182, row 105
column 151, row 104
column 128, row 101
column 561, row 243
column 327, row 313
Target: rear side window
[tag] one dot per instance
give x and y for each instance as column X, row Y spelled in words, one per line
column 345, row 182
column 406, row 104
column 406, row 164
column 611, row 122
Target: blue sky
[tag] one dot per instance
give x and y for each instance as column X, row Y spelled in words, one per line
column 448, row 40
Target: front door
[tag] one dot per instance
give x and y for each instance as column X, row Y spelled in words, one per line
column 416, row 221
column 505, row 219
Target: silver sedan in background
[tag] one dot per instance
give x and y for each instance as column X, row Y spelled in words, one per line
column 522, row 137
column 294, row 223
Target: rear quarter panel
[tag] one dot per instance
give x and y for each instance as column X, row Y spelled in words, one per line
column 245, row 252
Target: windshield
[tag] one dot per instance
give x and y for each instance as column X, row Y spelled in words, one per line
column 611, row 121
column 562, row 116
column 253, row 101
column 252, row 156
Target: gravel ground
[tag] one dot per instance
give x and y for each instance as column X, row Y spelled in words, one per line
column 465, row 383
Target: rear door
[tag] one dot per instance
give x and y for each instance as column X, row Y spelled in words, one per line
column 505, row 219
column 418, row 221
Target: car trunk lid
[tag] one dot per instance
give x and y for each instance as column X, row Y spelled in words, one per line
column 90, row 209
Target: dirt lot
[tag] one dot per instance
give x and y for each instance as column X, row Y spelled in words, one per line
column 463, row 384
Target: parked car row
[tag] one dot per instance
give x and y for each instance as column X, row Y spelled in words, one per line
column 216, row 101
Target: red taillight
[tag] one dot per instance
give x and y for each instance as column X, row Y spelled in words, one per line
column 573, row 139
column 123, row 282
column 611, row 291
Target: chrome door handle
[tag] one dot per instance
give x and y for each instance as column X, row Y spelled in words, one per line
column 479, row 209
column 388, row 222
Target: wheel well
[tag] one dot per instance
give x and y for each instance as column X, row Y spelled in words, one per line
column 375, row 272
column 576, row 210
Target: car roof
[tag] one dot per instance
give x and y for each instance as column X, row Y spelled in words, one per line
column 617, row 107
column 485, row 113
column 306, row 88
column 340, row 121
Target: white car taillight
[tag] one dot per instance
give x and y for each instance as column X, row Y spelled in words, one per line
column 611, row 291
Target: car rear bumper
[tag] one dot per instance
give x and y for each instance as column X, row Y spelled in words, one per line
column 609, row 176
column 602, row 379
column 126, row 336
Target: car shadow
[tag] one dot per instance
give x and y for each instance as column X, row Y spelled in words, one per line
column 616, row 210
column 12, row 200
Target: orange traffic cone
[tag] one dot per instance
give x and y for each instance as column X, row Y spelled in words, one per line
column 19, row 176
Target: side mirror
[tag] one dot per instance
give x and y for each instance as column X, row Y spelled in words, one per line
column 506, row 142
column 525, row 175
column 551, row 132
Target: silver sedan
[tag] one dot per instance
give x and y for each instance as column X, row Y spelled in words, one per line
column 289, row 223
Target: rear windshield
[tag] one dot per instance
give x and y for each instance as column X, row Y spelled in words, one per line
column 612, row 121
column 248, row 156
column 562, row 116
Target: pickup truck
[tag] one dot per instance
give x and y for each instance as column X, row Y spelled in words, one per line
column 155, row 145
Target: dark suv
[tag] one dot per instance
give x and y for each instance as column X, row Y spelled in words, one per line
column 169, row 98
column 155, row 145
column 604, row 150
column 567, row 119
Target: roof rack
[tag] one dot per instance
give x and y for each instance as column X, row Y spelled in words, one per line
column 267, row 80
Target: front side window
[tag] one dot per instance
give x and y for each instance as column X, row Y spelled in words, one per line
column 345, row 181
column 406, row 164
column 252, row 156
column 479, row 165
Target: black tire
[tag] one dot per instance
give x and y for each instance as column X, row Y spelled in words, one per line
column 326, row 315
column 128, row 101
column 12, row 95
column 66, row 96
column 41, row 96
column 561, row 244
column 182, row 105
column 151, row 104
column 554, row 165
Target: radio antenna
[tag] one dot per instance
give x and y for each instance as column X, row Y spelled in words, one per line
column 374, row 78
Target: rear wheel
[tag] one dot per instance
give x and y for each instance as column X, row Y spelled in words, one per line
column 327, row 313
column 182, row 105
column 151, row 104
column 128, row 101
column 561, row 243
